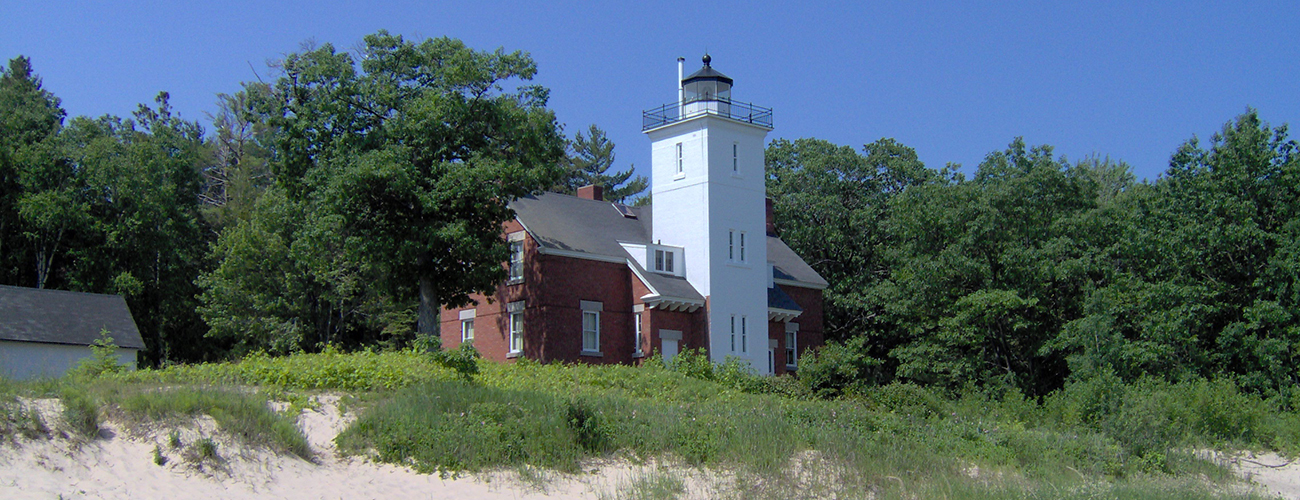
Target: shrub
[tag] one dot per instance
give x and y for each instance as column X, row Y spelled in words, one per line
column 206, row 449
column 103, row 358
column 692, row 363
column 463, row 360
column 837, row 368
column 587, row 425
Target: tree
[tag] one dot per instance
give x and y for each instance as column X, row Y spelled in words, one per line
column 589, row 158
column 986, row 272
column 240, row 167
column 831, row 204
column 1207, row 282
column 30, row 121
column 403, row 164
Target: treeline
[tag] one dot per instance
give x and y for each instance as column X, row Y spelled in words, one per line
column 340, row 204
column 1038, row 271
column 343, row 202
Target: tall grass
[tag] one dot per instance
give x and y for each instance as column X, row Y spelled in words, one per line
column 246, row 416
column 1096, row 438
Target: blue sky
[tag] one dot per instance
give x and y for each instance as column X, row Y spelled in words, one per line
column 955, row 81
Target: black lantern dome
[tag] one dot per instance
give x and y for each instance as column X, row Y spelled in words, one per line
column 707, row 84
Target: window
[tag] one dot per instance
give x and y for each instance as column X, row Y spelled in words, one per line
column 591, row 327
column 733, row 333
column 742, row 247
column 516, row 258
column 467, row 325
column 735, row 159
column 744, row 337
column 731, row 245
column 467, row 330
column 516, row 310
column 591, row 331
column 664, row 261
column 791, row 345
column 680, row 166
column 638, row 339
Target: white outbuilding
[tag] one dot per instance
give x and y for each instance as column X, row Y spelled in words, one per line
column 43, row 333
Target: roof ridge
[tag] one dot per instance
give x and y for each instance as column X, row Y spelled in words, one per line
column 55, row 290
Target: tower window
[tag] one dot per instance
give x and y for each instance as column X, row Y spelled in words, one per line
column 733, row 333
column 744, row 335
column 680, row 166
column 731, row 245
column 735, row 159
column 742, row 246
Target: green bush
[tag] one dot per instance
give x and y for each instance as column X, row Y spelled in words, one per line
column 463, row 360
column 588, row 425
column 103, row 359
column 838, row 368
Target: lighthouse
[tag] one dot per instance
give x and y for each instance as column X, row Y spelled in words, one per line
column 709, row 214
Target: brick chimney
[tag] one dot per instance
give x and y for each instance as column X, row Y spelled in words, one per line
column 592, row 192
column 771, row 219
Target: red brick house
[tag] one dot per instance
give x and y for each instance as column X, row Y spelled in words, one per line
column 599, row 282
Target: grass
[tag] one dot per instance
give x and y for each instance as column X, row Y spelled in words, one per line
column 1094, row 439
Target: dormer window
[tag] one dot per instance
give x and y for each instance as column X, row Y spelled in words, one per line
column 664, row 261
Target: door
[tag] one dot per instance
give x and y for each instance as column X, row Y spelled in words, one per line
column 669, row 349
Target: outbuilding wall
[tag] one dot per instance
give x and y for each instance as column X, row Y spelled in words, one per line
column 29, row 360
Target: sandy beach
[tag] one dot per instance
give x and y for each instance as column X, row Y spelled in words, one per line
column 122, row 463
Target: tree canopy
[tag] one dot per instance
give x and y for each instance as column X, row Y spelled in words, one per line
column 392, row 171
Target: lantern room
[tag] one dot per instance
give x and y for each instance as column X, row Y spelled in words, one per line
column 707, row 84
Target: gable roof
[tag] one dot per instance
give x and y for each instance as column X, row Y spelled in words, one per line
column 61, row 317
column 563, row 224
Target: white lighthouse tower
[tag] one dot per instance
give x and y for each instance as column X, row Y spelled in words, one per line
column 708, row 191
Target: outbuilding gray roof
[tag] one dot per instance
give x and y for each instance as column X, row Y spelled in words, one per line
column 596, row 228
column 60, row 317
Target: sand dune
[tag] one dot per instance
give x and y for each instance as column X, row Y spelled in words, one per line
column 121, row 464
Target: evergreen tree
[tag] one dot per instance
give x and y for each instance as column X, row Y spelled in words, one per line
column 590, row 157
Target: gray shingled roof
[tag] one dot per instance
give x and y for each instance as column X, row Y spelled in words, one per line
column 787, row 265
column 569, row 223
column 776, row 297
column 59, row 317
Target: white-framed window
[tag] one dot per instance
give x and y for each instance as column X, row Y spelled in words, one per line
column 516, row 258
column 467, row 330
column 735, row 158
column 516, row 311
column 681, row 168
column 731, row 245
column 741, row 235
column 591, row 326
column 638, row 335
column 664, row 261
column 791, row 345
column 733, row 333
column 467, row 325
column 744, row 335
